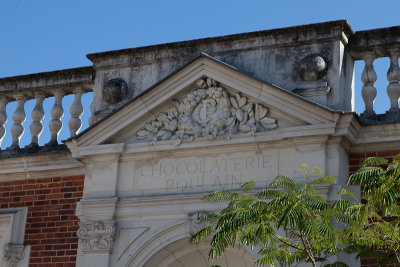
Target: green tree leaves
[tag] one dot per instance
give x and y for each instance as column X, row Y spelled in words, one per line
column 373, row 230
column 292, row 224
column 259, row 219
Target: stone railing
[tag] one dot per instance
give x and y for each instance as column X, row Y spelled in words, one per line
column 39, row 86
column 368, row 46
column 115, row 92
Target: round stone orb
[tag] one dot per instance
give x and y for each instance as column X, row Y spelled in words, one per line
column 115, row 90
column 312, row 68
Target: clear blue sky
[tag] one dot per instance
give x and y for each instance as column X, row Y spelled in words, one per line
column 45, row 35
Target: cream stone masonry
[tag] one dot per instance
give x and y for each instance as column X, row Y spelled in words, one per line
column 148, row 164
column 152, row 186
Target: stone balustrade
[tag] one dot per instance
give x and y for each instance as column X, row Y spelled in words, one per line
column 38, row 87
column 316, row 72
column 369, row 46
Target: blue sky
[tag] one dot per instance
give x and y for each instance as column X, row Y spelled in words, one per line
column 45, row 35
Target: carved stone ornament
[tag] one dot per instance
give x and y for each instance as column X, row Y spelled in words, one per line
column 96, row 235
column 13, row 254
column 312, row 68
column 114, row 91
column 209, row 111
column 195, row 223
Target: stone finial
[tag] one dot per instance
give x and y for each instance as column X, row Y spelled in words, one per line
column 96, row 235
column 312, row 68
column 114, row 91
column 12, row 254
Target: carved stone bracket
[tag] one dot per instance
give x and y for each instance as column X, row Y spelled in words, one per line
column 12, row 254
column 96, row 236
column 209, row 111
column 195, row 223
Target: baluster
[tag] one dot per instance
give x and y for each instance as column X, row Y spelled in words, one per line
column 76, row 111
column 393, row 76
column 3, row 118
column 37, row 117
column 368, row 91
column 18, row 117
column 91, row 113
column 57, row 112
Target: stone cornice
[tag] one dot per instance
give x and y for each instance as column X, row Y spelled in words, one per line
column 174, row 204
column 382, row 137
column 377, row 40
column 364, row 138
column 273, row 37
column 66, row 80
column 40, row 166
column 270, row 139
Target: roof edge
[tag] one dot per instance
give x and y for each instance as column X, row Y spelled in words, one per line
column 86, row 70
column 286, row 30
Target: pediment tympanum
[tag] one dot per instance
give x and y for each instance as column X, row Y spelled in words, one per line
column 204, row 100
column 209, row 111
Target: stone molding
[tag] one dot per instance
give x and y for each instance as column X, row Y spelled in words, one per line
column 96, row 236
column 38, row 166
column 281, row 37
column 12, row 254
column 45, row 82
column 209, row 111
column 93, row 209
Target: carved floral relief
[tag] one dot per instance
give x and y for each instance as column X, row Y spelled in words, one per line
column 13, row 254
column 96, row 235
column 209, row 111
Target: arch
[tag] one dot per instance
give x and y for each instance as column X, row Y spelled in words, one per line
column 173, row 243
column 182, row 254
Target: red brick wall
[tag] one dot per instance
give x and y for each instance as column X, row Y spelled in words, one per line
column 51, row 225
column 355, row 161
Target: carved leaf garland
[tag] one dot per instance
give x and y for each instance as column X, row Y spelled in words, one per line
column 207, row 112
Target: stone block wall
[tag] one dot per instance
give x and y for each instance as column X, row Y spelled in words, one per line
column 51, row 224
column 355, row 161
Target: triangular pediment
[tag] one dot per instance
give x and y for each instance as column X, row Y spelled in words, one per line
column 209, row 111
column 206, row 100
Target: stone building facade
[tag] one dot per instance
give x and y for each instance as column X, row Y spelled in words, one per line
column 172, row 122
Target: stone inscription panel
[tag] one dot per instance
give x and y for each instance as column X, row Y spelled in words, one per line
column 191, row 173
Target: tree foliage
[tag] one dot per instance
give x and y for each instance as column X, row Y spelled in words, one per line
column 289, row 222
column 374, row 230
